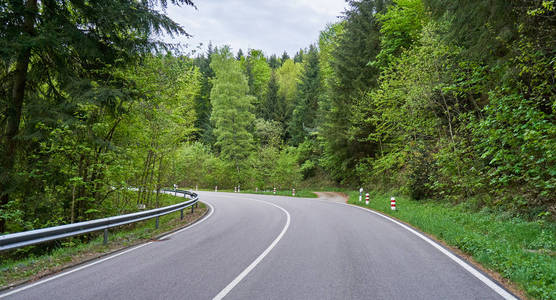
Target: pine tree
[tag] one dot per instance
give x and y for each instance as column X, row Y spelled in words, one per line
column 231, row 110
column 271, row 108
column 298, row 57
column 354, row 74
column 273, row 61
column 240, row 54
column 304, row 114
column 285, row 56
column 202, row 100
column 259, row 74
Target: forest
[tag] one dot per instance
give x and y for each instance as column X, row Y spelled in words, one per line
column 449, row 101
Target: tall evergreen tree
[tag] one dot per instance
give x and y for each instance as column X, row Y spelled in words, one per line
column 240, row 54
column 298, row 57
column 272, row 108
column 259, row 71
column 203, row 106
column 273, row 61
column 231, row 113
column 285, row 56
column 304, row 114
column 358, row 46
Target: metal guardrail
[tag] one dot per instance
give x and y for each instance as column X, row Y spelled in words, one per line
column 32, row 237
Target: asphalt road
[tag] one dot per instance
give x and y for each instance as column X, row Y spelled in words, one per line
column 270, row 247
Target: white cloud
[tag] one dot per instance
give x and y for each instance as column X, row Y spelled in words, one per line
column 270, row 25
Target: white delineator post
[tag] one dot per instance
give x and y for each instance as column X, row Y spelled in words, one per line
column 235, row 189
column 216, row 188
column 256, row 190
column 360, row 194
column 393, row 203
column 293, row 192
column 274, row 191
column 367, row 199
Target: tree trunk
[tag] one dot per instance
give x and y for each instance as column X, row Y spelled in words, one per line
column 13, row 111
column 143, row 178
column 150, row 180
column 158, row 180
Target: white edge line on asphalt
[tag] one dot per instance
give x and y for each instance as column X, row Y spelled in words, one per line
column 502, row 292
column 101, row 260
column 249, row 268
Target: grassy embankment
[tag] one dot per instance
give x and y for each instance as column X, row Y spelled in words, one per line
column 302, row 193
column 522, row 251
column 18, row 266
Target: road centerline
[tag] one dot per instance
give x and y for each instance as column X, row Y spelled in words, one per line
column 249, row 268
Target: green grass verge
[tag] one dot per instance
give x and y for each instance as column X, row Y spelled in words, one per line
column 519, row 250
column 298, row 193
column 71, row 251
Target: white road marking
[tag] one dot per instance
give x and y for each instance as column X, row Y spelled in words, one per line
column 249, row 268
column 101, row 260
column 502, row 292
column 70, row 271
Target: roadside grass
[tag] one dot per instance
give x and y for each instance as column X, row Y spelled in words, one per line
column 303, row 193
column 71, row 251
column 522, row 251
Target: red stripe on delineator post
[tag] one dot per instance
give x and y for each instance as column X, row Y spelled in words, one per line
column 393, row 203
column 367, row 199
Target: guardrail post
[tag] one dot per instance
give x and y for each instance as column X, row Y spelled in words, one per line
column 192, row 208
column 181, row 214
column 156, row 225
column 105, row 241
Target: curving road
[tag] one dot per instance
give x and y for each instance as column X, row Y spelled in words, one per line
column 267, row 247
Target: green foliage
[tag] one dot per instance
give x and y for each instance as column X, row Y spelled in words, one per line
column 447, row 124
column 258, row 74
column 196, row 165
column 287, row 77
column 304, row 116
column 268, row 133
column 231, row 113
column 400, row 28
column 357, row 46
column 203, row 107
column 274, row 106
column 517, row 142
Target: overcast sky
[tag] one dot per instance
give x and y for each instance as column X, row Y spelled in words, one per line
column 270, row 25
